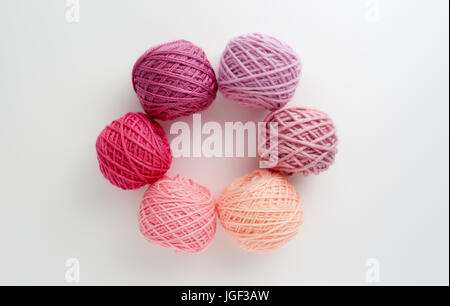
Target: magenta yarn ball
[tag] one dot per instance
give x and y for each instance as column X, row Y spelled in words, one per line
column 178, row 213
column 173, row 80
column 260, row 71
column 133, row 151
column 306, row 140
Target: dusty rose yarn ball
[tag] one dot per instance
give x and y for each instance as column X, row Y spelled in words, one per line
column 306, row 140
column 133, row 151
column 262, row 211
column 173, row 80
column 259, row 70
column 178, row 213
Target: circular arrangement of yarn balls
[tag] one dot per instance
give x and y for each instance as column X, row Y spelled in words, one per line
column 306, row 140
column 173, row 80
column 260, row 71
column 262, row 211
column 133, row 151
column 178, row 213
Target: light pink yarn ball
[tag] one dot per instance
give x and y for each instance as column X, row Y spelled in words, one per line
column 306, row 140
column 260, row 71
column 178, row 213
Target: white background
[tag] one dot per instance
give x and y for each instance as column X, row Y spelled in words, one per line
column 378, row 68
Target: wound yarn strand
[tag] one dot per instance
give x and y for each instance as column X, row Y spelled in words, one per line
column 178, row 213
column 173, row 80
column 260, row 71
column 262, row 211
column 133, row 151
column 307, row 141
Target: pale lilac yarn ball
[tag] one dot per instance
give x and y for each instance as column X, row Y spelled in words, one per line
column 260, row 71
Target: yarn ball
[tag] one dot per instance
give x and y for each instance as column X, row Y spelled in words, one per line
column 178, row 213
column 260, row 71
column 262, row 211
column 173, row 80
column 133, row 151
column 306, row 140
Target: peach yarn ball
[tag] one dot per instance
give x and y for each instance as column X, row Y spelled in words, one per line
column 178, row 213
column 262, row 211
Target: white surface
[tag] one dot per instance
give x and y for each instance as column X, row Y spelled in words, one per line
column 379, row 68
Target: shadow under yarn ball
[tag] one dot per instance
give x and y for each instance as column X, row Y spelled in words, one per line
column 173, row 80
column 307, row 140
column 261, row 211
column 178, row 213
column 260, row 71
column 133, row 151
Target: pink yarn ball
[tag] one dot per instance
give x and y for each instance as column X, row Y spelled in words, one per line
column 306, row 140
column 178, row 213
column 259, row 70
column 174, row 80
column 133, row 151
